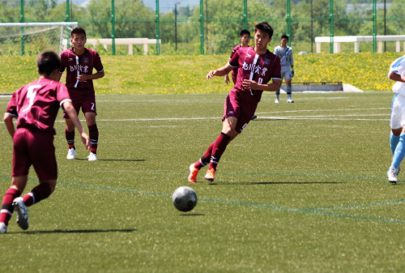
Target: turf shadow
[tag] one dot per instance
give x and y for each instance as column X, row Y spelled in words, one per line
column 77, row 231
column 284, row 183
column 114, row 159
column 192, row 214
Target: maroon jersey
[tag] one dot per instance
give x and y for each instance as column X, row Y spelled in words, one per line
column 235, row 69
column 261, row 69
column 36, row 104
column 82, row 64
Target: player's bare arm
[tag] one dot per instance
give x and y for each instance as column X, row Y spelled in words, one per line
column 8, row 121
column 220, row 71
column 253, row 85
column 71, row 112
column 396, row 77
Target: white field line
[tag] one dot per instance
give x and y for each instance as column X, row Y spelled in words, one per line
column 353, row 117
column 325, row 110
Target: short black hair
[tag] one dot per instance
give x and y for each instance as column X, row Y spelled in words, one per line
column 284, row 36
column 78, row 31
column 244, row 32
column 47, row 62
column 265, row 27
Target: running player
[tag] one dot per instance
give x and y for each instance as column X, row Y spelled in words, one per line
column 79, row 63
column 35, row 107
column 397, row 123
column 256, row 67
column 285, row 53
column 244, row 42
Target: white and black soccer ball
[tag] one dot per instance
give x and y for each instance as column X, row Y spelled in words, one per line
column 184, row 198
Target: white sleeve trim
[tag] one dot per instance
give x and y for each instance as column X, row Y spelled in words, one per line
column 63, row 101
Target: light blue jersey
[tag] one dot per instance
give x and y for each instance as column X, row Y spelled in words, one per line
column 398, row 67
column 286, row 56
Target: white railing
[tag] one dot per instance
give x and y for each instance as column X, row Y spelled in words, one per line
column 356, row 40
column 130, row 42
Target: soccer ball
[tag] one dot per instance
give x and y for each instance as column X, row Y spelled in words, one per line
column 184, row 198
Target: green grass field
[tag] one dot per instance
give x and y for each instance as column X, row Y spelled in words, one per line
column 303, row 189
column 185, row 74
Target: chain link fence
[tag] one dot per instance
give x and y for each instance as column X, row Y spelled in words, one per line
column 212, row 26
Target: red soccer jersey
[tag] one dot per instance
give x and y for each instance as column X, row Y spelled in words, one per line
column 266, row 67
column 235, row 69
column 84, row 64
column 36, row 104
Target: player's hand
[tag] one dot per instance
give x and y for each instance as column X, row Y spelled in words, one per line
column 211, row 74
column 85, row 139
column 227, row 79
column 82, row 77
column 249, row 85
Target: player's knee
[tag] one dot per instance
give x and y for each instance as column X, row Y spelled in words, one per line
column 230, row 132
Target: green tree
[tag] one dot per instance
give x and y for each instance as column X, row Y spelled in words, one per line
column 133, row 19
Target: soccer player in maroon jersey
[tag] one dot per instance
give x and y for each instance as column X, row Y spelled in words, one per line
column 256, row 67
column 79, row 62
column 35, row 107
column 244, row 42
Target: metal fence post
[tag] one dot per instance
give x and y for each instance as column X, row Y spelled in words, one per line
column 288, row 20
column 202, row 27
column 113, row 26
column 67, row 19
column 245, row 14
column 157, row 28
column 374, row 26
column 331, row 26
column 22, row 19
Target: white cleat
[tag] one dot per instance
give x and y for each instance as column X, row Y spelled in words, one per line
column 22, row 213
column 92, row 157
column 392, row 175
column 277, row 101
column 290, row 100
column 3, row 228
column 71, row 154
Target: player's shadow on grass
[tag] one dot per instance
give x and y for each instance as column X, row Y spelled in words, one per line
column 275, row 183
column 76, row 231
column 115, row 159
column 192, row 214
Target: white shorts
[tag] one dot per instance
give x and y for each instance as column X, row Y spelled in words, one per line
column 286, row 73
column 397, row 112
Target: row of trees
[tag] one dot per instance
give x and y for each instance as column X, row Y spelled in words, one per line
column 223, row 19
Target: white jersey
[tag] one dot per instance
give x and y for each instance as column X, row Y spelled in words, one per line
column 285, row 54
column 398, row 67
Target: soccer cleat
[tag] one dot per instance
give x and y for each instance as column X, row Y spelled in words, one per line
column 392, row 175
column 192, row 177
column 277, row 101
column 71, row 154
column 3, row 228
column 210, row 175
column 92, row 157
column 290, row 100
column 253, row 117
column 22, row 213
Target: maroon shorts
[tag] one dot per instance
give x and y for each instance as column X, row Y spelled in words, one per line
column 34, row 148
column 83, row 100
column 242, row 106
